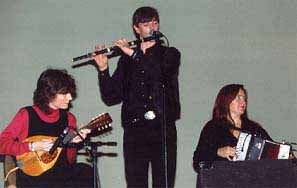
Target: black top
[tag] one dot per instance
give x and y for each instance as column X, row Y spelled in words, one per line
column 139, row 84
column 38, row 127
column 217, row 134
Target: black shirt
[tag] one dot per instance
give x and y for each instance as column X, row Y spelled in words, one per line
column 139, row 84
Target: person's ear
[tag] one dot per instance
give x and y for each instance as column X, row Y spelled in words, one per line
column 136, row 29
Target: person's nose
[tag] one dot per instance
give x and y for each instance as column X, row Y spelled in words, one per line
column 152, row 26
column 243, row 102
column 69, row 96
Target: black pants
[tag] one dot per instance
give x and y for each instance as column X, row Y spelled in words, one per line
column 71, row 176
column 145, row 145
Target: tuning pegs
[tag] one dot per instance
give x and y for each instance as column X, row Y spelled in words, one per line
column 104, row 127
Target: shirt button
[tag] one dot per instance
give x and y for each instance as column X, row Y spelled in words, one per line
column 150, row 97
column 145, row 106
column 142, row 71
column 142, row 83
column 142, row 95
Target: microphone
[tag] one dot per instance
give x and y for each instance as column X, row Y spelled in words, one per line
column 156, row 33
column 100, row 154
column 106, row 143
column 59, row 140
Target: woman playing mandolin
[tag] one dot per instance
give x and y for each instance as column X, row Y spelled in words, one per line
column 34, row 129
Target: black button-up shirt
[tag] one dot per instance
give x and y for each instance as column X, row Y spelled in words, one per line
column 140, row 84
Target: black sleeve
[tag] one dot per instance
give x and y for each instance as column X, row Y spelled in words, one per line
column 263, row 134
column 111, row 87
column 171, row 62
column 207, row 147
column 258, row 130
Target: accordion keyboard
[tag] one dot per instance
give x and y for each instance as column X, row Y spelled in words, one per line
column 242, row 146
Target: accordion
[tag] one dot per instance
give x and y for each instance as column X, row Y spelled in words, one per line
column 250, row 147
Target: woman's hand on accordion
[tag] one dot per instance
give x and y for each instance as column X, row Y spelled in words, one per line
column 227, row 152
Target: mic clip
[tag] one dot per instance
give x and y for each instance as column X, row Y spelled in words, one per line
column 59, row 140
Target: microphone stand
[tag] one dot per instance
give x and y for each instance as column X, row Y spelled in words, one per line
column 91, row 150
column 164, row 128
column 164, row 123
column 164, row 134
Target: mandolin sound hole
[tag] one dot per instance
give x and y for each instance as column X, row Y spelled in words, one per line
column 47, row 157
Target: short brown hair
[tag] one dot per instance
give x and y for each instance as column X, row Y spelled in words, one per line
column 144, row 14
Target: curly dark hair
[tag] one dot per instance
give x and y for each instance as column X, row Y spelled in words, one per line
column 142, row 15
column 225, row 96
column 50, row 83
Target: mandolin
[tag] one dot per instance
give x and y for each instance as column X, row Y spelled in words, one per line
column 35, row 163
